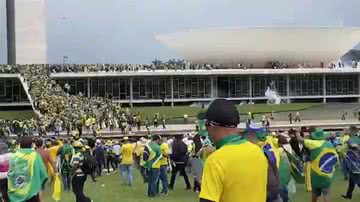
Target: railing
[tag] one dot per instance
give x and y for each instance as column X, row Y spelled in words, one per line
column 26, row 89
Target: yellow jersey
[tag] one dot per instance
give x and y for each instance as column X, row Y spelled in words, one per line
column 234, row 171
column 127, row 151
column 53, row 151
column 165, row 154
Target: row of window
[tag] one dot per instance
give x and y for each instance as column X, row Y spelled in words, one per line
column 201, row 87
column 11, row 90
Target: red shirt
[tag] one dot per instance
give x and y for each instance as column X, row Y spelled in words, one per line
column 44, row 156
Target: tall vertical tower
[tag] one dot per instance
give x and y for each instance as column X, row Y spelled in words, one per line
column 26, row 34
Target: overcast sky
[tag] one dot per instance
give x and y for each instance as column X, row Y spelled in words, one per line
column 123, row 31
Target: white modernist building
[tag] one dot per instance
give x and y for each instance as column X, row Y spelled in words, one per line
column 260, row 45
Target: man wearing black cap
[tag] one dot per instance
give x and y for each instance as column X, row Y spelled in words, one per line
column 228, row 176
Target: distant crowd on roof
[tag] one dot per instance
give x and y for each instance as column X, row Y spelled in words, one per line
column 169, row 65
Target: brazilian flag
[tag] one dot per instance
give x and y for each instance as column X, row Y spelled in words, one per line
column 296, row 167
column 26, row 175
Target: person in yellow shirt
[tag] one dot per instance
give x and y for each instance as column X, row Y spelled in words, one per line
column 163, row 167
column 237, row 170
column 152, row 156
column 127, row 152
column 139, row 151
column 53, row 153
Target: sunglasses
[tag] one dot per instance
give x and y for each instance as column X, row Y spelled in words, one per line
column 213, row 123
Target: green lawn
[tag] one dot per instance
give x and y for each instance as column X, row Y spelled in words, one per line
column 179, row 111
column 16, row 114
column 113, row 191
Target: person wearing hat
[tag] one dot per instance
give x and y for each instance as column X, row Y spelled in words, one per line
column 79, row 176
column 139, row 152
column 127, row 152
column 227, row 176
column 323, row 159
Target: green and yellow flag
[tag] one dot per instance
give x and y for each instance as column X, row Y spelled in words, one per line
column 26, row 175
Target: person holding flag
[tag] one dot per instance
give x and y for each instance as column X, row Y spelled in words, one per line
column 323, row 159
column 27, row 173
column 152, row 156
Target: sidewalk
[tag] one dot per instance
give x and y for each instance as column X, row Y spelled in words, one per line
column 188, row 128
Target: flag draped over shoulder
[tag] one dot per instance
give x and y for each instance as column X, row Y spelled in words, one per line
column 296, row 167
column 26, row 175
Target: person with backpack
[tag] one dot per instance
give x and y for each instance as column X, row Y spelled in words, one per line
column 79, row 170
column 237, row 170
column 66, row 152
column 259, row 137
column 352, row 161
column 323, row 159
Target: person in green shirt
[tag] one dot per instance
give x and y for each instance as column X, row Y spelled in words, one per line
column 152, row 156
column 66, row 152
column 284, row 169
column 323, row 158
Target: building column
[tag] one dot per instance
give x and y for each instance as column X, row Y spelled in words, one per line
column 172, row 91
column 213, row 90
column 88, row 88
column 324, row 88
column 131, row 92
column 10, row 33
column 250, row 88
column 288, row 88
column 359, row 88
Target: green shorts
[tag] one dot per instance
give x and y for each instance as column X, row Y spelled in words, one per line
column 321, row 191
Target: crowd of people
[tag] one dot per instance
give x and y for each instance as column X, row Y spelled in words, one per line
column 172, row 64
column 57, row 110
column 225, row 163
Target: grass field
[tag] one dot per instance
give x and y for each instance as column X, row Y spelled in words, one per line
column 113, row 191
column 16, row 114
column 179, row 111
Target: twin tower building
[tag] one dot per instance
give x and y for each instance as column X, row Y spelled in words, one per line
column 25, row 32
